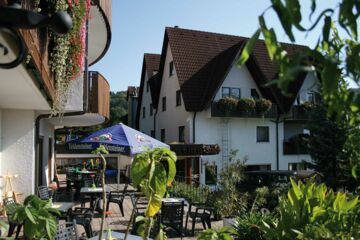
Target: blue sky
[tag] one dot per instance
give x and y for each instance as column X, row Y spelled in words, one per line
column 138, row 27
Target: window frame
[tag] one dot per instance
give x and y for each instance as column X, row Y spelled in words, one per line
column 230, row 89
column 171, row 68
column 162, row 135
column 253, row 90
column 181, row 134
column 163, row 101
column 144, row 112
column 267, row 140
column 178, row 98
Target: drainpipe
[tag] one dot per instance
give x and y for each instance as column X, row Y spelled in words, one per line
column 193, row 138
column 277, row 141
column 155, row 114
column 38, row 169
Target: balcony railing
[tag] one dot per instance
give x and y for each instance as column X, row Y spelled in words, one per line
column 298, row 112
column 296, row 145
column 99, row 95
column 216, row 112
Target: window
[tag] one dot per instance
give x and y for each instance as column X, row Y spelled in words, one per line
column 147, row 86
column 162, row 135
column 262, row 134
column 254, row 94
column 211, row 174
column 296, row 166
column 178, row 98
column 144, row 113
column 164, row 104
column 182, row 134
column 151, row 109
column 152, row 133
column 231, row 92
column 171, row 68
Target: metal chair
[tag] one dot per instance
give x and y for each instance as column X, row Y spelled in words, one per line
column 118, row 198
column 172, row 214
column 44, row 192
column 10, row 208
column 83, row 217
column 67, row 231
column 200, row 211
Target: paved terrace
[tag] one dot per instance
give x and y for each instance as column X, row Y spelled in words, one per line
column 119, row 223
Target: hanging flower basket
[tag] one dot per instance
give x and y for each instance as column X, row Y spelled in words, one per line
column 263, row 105
column 227, row 104
column 246, row 105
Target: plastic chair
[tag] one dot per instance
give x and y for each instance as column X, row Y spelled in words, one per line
column 83, row 217
column 172, row 214
column 10, row 207
column 67, row 231
column 200, row 211
column 118, row 198
column 44, row 192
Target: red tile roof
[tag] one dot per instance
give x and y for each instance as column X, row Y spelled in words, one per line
column 203, row 59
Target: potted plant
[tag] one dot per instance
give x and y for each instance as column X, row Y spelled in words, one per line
column 227, row 104
column 262, row 105
column 38, row 217
column 246, row 105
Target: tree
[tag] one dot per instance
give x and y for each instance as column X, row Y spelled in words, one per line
column 334, row 59
column 118, row 107
column 326, row 145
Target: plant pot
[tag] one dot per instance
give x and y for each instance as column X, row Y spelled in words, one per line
column 228, row 221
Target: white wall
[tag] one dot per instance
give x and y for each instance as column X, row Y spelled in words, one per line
column 18, row 153
column 174, row 116
column 310, row 84
column 239, row 78
column 146, row 124
column 47, row 131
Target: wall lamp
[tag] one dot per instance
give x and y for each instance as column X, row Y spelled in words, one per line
column 14, row 17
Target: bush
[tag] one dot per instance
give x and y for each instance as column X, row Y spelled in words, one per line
column 247, row 226
column 313, row 211
column 227, row 104
column 246, row 104
column 262, row 105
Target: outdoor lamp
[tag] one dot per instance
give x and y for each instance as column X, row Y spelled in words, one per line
column 15, row 17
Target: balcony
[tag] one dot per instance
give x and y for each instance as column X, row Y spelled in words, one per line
column 99, row 95
column 300, row 113
column 296, row 145
column 216, row 112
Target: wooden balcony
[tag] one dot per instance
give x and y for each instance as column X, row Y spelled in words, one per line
column 296, row 145
column 99, row 95
column 300, row 113
column 216, row 112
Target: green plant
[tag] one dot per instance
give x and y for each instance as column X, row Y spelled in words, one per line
column 39, row 218
column 224, row 233
column 313, row 211
column 227, row 104
column 248, row 226
column 246, row 104
column 262, row 105
column 148, row 172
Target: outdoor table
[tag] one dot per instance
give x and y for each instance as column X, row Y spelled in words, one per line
column 93, row 193
column 117, row 235
column 86, row 172
column 64, row 208
column 174, row 200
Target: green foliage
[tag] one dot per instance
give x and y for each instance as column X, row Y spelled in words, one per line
column 191, row 193
column 247, row 226
column 152, row 171
column 246, row 104
column 313, row 211
column 224, row 233
column 39, row 218
column 328, row 146
column 118, row 107
column 262, row 105
column 227, row 104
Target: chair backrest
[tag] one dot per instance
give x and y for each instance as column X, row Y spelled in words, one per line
column 67, row 231
column 88, row 181
column 43, row 192
column 172, row 211
column 10, row 205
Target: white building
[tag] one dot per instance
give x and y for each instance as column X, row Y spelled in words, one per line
column 199, row 68
column 27, row 93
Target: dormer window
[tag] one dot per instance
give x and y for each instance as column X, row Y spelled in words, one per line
column 171, row 68
column 178, row 98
